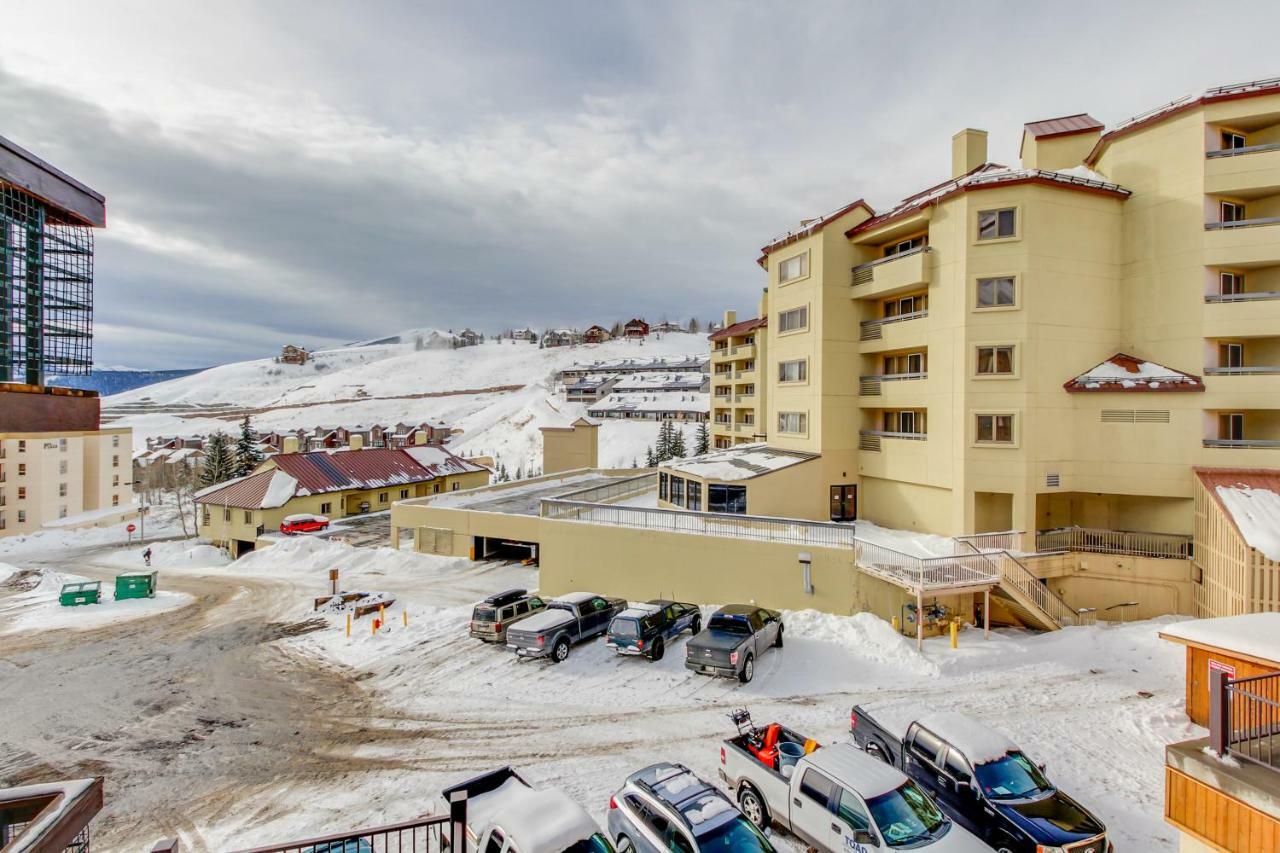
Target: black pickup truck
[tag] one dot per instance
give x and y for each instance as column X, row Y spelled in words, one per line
column 984, row 782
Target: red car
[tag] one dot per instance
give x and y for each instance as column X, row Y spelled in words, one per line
column 303, row 523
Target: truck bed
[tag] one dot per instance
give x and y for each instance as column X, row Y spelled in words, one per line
column 740, row 765
column 867, row 731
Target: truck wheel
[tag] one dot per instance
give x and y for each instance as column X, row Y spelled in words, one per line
column 560, row 651
column 696, row 628
column 624, row 844
column 752, row 805
column 777, row 641
column 748, row 670
column 659, row 648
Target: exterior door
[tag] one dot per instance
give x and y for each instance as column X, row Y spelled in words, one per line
column 921, row 760
column 844, row 503
column 811, row 815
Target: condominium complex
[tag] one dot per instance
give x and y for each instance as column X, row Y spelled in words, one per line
column 739, row 385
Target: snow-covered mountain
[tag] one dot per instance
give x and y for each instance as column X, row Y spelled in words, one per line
column 497, row 393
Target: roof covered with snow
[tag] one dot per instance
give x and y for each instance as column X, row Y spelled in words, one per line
column 265, row 490
column 738, row 463
column 655, row 401
column 1254, row 634
column 535, row 819
column 1123, row 372
column 809, row 227
column 1250, row 498
column 979, row 743
column 441, row 463
column 671, row 381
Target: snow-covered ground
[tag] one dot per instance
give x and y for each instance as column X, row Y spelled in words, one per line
column 503, row 424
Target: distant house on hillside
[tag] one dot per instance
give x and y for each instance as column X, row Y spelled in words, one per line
column 636, row 329
column 561, row 338
column 468, row 338
column 596, row 335
column 525, row 334
column 664, row 327
column 290, row 354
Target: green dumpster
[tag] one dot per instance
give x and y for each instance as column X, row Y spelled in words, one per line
column 82, row 592
column 136, row 585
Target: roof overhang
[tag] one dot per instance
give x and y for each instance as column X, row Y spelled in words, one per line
column 72, row 201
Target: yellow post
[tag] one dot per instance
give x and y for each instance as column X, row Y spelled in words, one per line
column 955, row 634
column 348, row 625
column 382, row 615
column 405, row 614
column 897, row 626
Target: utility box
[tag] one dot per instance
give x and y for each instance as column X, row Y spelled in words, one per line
column 136, row 585
column 83, row 592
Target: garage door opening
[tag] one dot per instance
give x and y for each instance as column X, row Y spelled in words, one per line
column 491, row 548
column 240, row 547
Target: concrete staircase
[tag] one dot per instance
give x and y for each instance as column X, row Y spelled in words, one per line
column 1023, row 594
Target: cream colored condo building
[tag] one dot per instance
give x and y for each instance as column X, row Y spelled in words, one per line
column 77, row 478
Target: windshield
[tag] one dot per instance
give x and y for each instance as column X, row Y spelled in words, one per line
column 905, row 815
column 483, row 614
column 1013, row 777
column 595, row 844
column 624, row 628
column 737, row 834
column 726, row 623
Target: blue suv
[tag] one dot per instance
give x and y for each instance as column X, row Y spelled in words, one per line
column 665, row 807
column 644, row 629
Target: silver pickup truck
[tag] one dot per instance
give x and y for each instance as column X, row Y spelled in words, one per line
column 567, row 620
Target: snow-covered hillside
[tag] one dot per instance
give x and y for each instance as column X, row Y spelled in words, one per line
column 470, row 388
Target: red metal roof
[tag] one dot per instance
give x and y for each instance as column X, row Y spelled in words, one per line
column 739, row 328
column 374, row 468
column 1252, row 478
column 244, row 493
column 811, row 228
column 1063, row 126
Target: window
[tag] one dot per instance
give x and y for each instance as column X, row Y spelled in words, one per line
column 226, row 514
column 115, row 441
column 115, row 461
column 817, row 787
column 907, row 421
column 115, row 480
column 793, row 371
column 793, row 320
column 905, row 305
column 22, row 447
column 1230, row 211
column 62, row 445
column 903, row 363
column 382, row 497
column 797, row 266
column 995, row 361
column 905, row 245
column 455, row 487
column 1232, row 140
column 62, row 490
column 22, row 493
column 22, row 469
column 731, row 499
column 248, row 517
column 693, row 494
column 996, row 292
column 325, row 508
column 204, row 516
column 677, row 491
column 995, row 429
column 926, row 746
column 793, row 422
column 1230, row 283
column 404, row 493
column 994, row 224
column 662, row 486
column 62, row 466
column 1229, row 355
column 62, row 511
column 957, row 766
column 849, row 809
column 1231, row 426
column 22, row 516
column 115, row 500
column 435, row 488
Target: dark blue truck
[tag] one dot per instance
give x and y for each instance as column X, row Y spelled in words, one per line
column 645, row 629
column 985, row 783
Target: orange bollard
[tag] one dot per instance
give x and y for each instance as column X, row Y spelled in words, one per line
column 348, row 626
column 374, row 625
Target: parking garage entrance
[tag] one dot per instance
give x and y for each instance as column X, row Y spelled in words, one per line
column 495, row 548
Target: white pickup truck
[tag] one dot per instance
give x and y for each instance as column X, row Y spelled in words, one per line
column 834, row 798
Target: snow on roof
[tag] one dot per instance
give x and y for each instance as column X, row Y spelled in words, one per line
column 91, row 517
column 1256, row 513
column 1253, row 634
column 1123, row 372
column 639, row 381
column 576, row 597
column 869, row 777
column 979, row 743
column 739, row 463
column 440, row 462
column 535, row 819
column 656, row 401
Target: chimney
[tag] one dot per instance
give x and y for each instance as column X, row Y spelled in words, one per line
column 355, row 441
column 968, row 151
column 730, row 317
column 289, row 444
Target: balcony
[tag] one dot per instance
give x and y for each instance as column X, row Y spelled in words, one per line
column 1243, row 315
column 891, row 275
column 904, row 331
column 1243, row 172
column 1244, row 243
column 745, row 427
column 745, row 374
column 874, row 386
column 743, row 351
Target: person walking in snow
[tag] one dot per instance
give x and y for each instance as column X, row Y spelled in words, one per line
column 146, row 557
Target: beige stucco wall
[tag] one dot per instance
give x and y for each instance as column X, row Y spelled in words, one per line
column 570, row 448
column 94, row 470
column 1159, row 586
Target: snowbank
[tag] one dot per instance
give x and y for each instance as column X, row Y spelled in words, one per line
column 168, row 555
column 922, row 545
column 864, row 636
column 304, row 555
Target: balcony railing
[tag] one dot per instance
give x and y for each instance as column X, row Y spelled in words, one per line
column 869, row 386
column 871, row 330
column 1255, row 296
column 1241, row 442
column 422, row 835
column 864, row 273
column 1241, row 223
column 724, row 421
column 1257, row 370
column 1244, row 717
column 629, row 487
column 1173, row 546
column 1237, row 152
column 884, row 433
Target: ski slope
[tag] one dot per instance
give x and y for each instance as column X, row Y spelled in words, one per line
column 385, row 382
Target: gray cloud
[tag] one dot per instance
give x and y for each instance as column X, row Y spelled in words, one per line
column 322, row 172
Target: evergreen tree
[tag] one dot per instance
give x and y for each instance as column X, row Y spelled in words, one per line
column 694, row 328
column 219, row 463
column 650, row 458
column 635, row 463
column 662, row 450
column 519, row 472
column 703, row 443
column 247, row 455
column 678, row 449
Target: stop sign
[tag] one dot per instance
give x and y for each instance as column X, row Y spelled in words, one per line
column 131, row 528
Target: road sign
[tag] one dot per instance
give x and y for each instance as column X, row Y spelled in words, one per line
column 131, row 528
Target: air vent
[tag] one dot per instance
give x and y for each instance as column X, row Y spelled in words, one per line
column 1117, row 416
column 1151, row 416
column 1052, row 481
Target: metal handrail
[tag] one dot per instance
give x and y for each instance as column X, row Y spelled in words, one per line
column 918, row 250
column 1244, row 717
column 1256, row 370
column 626, row 487
column 1251, row 296
column 1241, row 442
column 1128, row 542
column 912, row 436
column 1241, row 223
column 1014, row 573
column 426, row 834
column 897, row 318
column 894, row 377
column 1236, row 152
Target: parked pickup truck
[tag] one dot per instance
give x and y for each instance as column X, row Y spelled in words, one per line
column 834, row 798
column 567, row 620
column 643, row 629
column 985, row 782
column 505, row 813
column 736, row 636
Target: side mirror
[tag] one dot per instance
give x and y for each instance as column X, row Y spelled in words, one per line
column 863, row 836
column 1041, row 766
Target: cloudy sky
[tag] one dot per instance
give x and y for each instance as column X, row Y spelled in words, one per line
column 321, row 172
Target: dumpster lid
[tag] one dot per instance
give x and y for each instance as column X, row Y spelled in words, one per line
column 78, row 586
column 136, row 575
